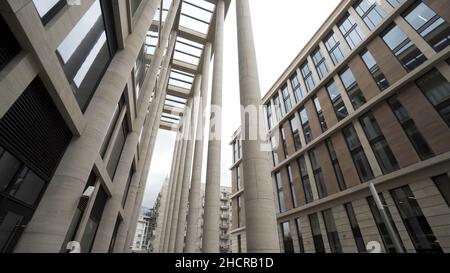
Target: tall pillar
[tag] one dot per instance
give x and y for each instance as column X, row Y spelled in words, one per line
column 211, row 230
column 261, row 224
column 181, row 226
column 194, row 194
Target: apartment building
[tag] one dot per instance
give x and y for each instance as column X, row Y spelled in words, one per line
column 142, row 236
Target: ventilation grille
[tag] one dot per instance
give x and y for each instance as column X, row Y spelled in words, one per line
column 9, row 47
column 34, row 131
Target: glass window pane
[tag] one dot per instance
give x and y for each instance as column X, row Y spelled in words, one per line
column 9, row 165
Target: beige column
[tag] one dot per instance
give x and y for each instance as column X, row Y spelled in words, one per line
column 194, row 194
column 211, row 230
column 261, row 225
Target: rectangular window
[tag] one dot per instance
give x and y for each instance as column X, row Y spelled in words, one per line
column 299, row 93
column 274, row 145
column 415, row 222
column 387, row 240
column 299, row 235
column 117, row 149
column 336, row 166
column 141, row 67
column 434, row 29
column 403, row 48
column 292, row 186
column 277, row 105
column 443, row 184
column 319, row 62
column 351, row 86
column 380, row 147
column 114, row 235
column 295, row 133
column 305, row 179
column 239, row 244
column 238, row 205
column 127, row 187
column 47, row 9
column 283, row 142
column 359, row 157
column 280, row 192
column 371, row 12
column 235, row 152
column 286, row 98
column 307, row 76
column 333, row 46
column 359, row 240
column 318, row 175
column 351, row 31
column 323, row 123
column 238, row 178
column 305, row 125
column 268, row 109
column 374, row 69
column 287, row 238
column 332, row 233
column 418, row 141
column 336, row 100
column 111, row 126
column 316, row 233
column 395, row 3
column 437, row 89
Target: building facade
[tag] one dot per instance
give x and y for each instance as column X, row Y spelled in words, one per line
column 366, row 101
column 142, row 236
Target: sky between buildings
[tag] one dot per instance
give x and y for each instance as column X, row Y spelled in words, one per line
column 281, row 29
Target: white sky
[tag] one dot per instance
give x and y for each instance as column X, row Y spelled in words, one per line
column 281, row 29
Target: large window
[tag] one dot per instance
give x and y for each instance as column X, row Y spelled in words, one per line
column 9, row 47
column 238, row 178
column 299, row 235
column 437, row 89
column 415, row 222
column 86, row 52
column 443, row 184
column 418, row 141
column 295, row 133
column 336, row 166
column 287, row 238
column 350, row 30
column 305, row 124
column 280, row 192
column 371, row 12
column 127, row 187
column 305, row 179
column 47, row 9
column 316, row 233
column 359, row 240
column 332, row 233
column 356, row 150
column 403, row 48
column 318, row 174
column 286, row 98
column 292, row 186
column 239, row 214
column 319, row 62
column 374, row 69
column 111, row 126
column 117, row 149
column 319, row 112
column 141, row 67
column 380, row 147
column 333, row 46
column 352, row 88
column 307, row 76
column 336, row 100
column 274, row 146
column 277, row 105
column 434, row 29
column 395, row 3
column 299, row 93
column 269, row 122
column 283, row 142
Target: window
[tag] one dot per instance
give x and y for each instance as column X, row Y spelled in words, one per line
column 359, row 240
column 395, row 3
column 299, row 93
column 403, row 48
column 238, row 178
column 319, row 62
column 277, row 105
column 299, row 235
column 140, row 70
column 380, row 147
column 283, row 142
column 317, row 233
column 287, row 238
column 323, row 123
column 9, row 47
column 333, row 46
column 307, row 76
column 239, row 215
column 437, row 89
column 332, row 233
column 351, row 86
column 415, row 222
column 135, row 5
column 127, row 187
column 295, row 133
column 111, row 126
column 86, row 52
column 374, row 70
column 350, row 30
column 418, row 141
column 336, row 166
column 305, row 124
column 274, row 151
column 286, row 98
column 318, row 175
column 434, row 29
column 387, row 240
column 356, row 150
column 443, row 184
column 292, row 186
column 114, row 235
column 47, row 9
column 235, row 152
column 336, row 100
column 371, row 12
column 117, row 149
column 269, row 116
column 239, row 244
column 305, row 179
column 280, row 192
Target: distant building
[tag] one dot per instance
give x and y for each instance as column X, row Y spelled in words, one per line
column 142, row 235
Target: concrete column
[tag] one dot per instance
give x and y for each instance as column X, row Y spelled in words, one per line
column 194, row 194
column 260, row 214
column 211, row 230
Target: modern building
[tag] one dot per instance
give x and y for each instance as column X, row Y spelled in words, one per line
column 365, row 102
column 143, row 234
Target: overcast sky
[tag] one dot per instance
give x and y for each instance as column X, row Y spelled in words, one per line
column 281, row 29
